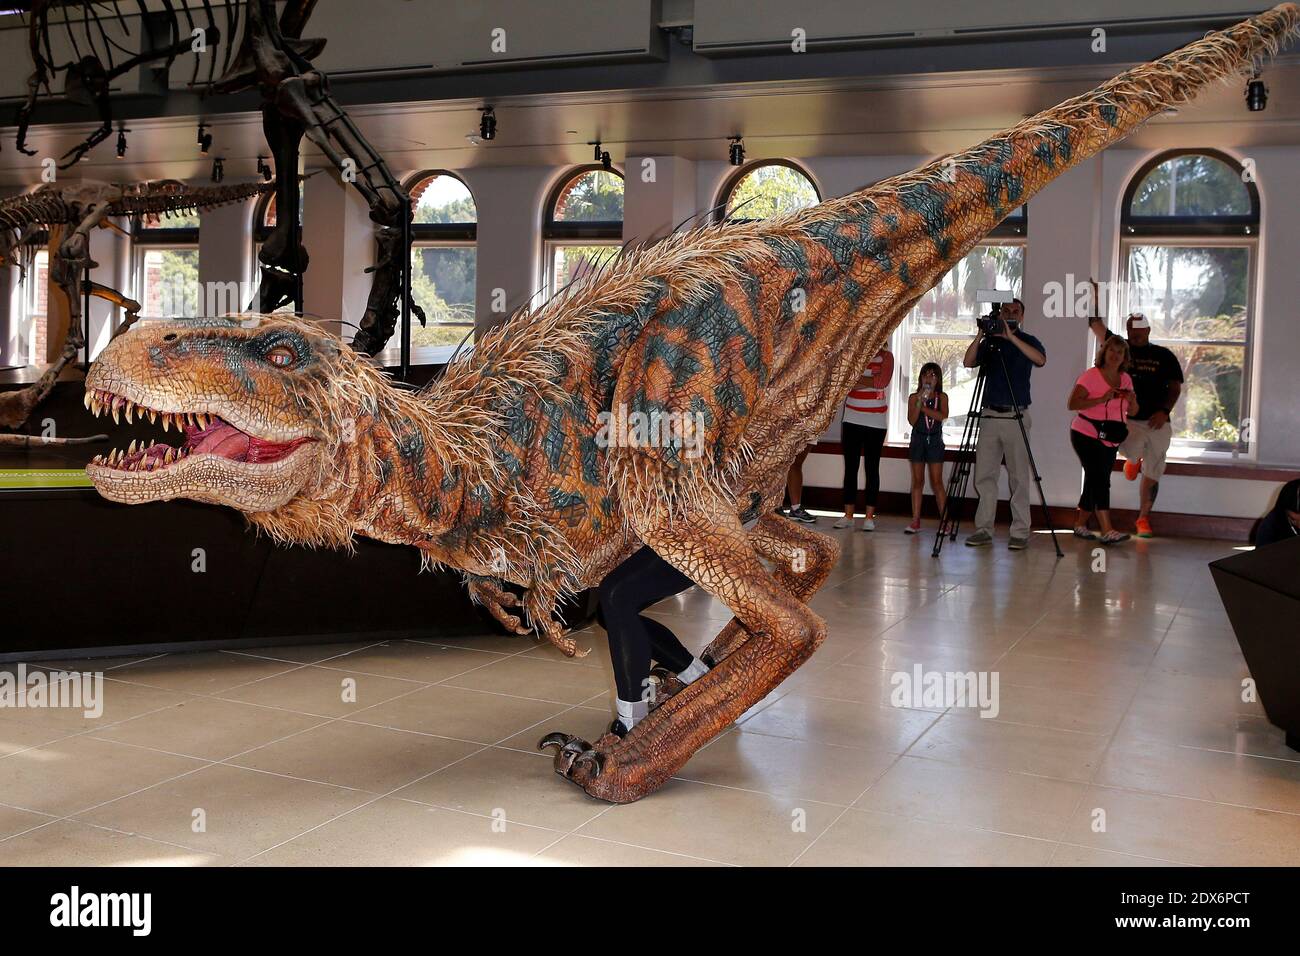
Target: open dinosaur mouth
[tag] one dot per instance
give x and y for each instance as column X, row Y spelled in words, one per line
column 202, row 433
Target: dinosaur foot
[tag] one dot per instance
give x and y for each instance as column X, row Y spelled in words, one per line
column 575, row 759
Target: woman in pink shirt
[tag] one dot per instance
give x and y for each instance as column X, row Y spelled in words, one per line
column 1103, row 396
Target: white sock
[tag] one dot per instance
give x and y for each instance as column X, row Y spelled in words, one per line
column 693, row 672
column 630, row 711
column 795, row 506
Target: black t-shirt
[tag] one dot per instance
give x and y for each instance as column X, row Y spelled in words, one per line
column 1152, row 367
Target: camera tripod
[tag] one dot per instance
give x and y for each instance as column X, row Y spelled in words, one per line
column 960, row 477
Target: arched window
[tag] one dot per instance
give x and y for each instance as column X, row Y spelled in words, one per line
column 765, row 189
column 1189, row 232
column 165, row 258
column 443, row 260
column 584, row 224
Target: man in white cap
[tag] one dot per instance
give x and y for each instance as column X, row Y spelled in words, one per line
column 1158, row 382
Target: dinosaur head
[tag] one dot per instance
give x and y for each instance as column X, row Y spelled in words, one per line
column 247, row 397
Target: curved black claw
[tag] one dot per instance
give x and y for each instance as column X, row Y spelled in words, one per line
column 571, row 752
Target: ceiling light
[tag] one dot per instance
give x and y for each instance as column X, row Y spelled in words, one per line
column 487, row 125
column 204, row 139
column 121, row 144
column 1256, row 95
column 263, row 169
column 736, row 151
column 218, row 169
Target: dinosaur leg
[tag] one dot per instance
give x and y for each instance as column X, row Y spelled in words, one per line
column 715, row 552
column 802, row 559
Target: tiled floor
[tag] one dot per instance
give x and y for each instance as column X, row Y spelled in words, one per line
column 1121, row 738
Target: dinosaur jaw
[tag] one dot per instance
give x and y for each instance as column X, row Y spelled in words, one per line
column 216, row 461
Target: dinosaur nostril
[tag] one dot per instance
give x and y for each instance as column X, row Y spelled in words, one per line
column 169, row 337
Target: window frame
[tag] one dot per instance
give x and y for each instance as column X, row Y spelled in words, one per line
column 738, row 175
column 1227, row 231
column 557, row 234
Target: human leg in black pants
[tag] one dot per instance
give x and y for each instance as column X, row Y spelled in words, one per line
column 640, row 581
column 1097, row 459
column 851, row 445
column 873, row 446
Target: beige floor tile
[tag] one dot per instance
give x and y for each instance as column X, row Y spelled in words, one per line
column 840, row 723
column 587, row 722
column 999, row 745
column 322, row 691
column 13, row 820
column 407, row 660
column 304, row 653
column 244, row 811
column 347, row 754
column 1191, row 724
column 970, row 796
column 1045, row 707
column 15, row 735
column 1205, row 661
column 1184, row 831
column 498, row 643
column 536, row 679
column 584, row 851
column 716, row 823
column 1204, row 775
column 519, row 787
column 208, row 729
column 459, row 713
column 69, row 843
column 890, row 655
column 868, row 685
column 118, row 701
column 979, row 636
column 1087, row 649
column 786, row 767
column 865, row 838
column 206, row 672
column 79, row 772
column 1070, row 855
column 1215, row 694
column 1097, row 678
column 392, row 832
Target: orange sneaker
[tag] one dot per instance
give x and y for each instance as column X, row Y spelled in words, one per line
column 1132, row 469
column 1143, row 529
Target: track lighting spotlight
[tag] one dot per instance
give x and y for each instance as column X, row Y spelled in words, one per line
column 121, row 144
column 218, row 169
column 602, row 156
column 736, row 152
column 204, row 139
column 487, row 126
column 263, row 169
column 1256, row 95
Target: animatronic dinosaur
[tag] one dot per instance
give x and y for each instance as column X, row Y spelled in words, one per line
column 272, row 57
column 71, row 212
column 512, row 467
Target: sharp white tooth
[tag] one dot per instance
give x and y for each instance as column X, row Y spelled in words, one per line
column 87, row 399
column 94, row 407
column 117, row 408
column 131, row 450
column 128, row 410
column 169, row 456
column 153, row 417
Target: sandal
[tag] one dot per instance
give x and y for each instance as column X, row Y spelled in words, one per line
column 1114, row 537
column 1082, row 531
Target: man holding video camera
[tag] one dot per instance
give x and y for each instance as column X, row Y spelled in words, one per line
column 1002, row 341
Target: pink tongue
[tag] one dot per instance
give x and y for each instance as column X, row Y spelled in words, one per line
column 224, row 440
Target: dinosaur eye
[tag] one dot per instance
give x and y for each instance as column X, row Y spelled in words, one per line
column 282, row 356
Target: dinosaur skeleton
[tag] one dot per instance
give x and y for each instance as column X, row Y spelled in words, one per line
column 69, row 213
column 272, row 57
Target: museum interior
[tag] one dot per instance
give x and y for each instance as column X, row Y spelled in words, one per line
column 570, row 433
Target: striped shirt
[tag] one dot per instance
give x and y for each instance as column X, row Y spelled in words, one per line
column 869, row 406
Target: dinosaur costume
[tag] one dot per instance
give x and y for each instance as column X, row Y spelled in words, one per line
column 507, row 467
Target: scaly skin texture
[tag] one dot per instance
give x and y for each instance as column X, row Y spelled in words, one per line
column 506, row 468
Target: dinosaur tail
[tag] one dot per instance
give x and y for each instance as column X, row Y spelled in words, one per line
column 194, row 198
column 956, row 200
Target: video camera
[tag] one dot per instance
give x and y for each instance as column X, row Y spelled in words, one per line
column 992, row 323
